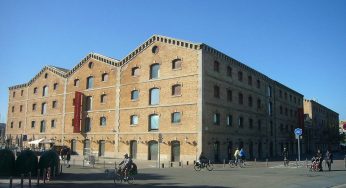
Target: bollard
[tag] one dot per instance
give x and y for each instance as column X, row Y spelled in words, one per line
column 74, row 162
column 224, row 161
column 21, row 180
column 266, row 162
column 187, row 163
column 83, row 162
column 171, row 164
column 60, row 169
column 38, row 177
column 104, row 164
column 297, row 162
column 255, row 161
column 163, row 165
column 10, row 181
column 345, row 161
column 29, row 179
column 179, row 163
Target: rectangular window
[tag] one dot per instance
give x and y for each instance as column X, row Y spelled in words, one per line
column 21, row 92
column 269, row 91
column 258, row 103
column 240, row 76
column 270, row 108
column 103, row 98
column 32, row 124
column 229, row 120
column 176, row 117
column 240, row 98
column 250, row 101
column 154, row 96
column 176, row 90
column 90, row 82
column 89, row 102
column 20, row 124
column 250, row 123
column 55, row 86
column 229, row 71
column 229, row 95
column 216, row 92
column 21, row 108
column 54, row 104
column 34, row 107
column 259, row 124
column 87, row 127
column 43, row 126
column 216, row 66
column 11, row 125
column 53, row 123
column 249, row 80
column 241, row 122
column 258, row 84
column 216, row 119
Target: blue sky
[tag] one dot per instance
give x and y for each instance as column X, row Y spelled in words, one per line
column 301, row 44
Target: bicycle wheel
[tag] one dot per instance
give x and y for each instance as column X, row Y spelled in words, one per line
column 210, row 167
column 197, row 167
column 130, row 180
column 118, row 178
column 231, row 164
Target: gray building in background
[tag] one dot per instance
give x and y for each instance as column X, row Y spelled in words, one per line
column 2, row 133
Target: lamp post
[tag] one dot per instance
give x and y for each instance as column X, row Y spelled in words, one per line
column 158, row 149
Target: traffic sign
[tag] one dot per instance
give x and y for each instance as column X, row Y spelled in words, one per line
column 298, row 131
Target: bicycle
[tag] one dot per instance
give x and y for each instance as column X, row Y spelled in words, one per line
column 198, row 166
column 233, row 163
column 119, row 175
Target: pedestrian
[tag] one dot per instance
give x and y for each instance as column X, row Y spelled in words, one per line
column 242, row 156
column 68, row 157
column 329, row 159
column 236, row 156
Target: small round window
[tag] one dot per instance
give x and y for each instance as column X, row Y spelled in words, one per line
column 90, row 65
column 155, row 49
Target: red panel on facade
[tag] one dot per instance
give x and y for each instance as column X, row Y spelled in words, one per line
column 77, row 112
column 344, row 126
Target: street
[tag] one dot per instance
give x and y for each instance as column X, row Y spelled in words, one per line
column 254, row 175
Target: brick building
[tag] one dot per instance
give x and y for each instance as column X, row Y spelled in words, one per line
column 322, row 129
column 168, row 98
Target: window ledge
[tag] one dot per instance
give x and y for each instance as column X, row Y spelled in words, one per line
column 133, row 125
column 176, row 124
column 176, row 95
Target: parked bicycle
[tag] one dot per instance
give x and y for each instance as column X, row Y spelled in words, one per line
column 198, row 166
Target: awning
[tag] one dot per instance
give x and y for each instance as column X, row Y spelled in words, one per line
column 35, row 142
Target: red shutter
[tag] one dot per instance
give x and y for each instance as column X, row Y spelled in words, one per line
column 77, row 112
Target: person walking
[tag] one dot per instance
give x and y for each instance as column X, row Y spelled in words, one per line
column 285, row 155
column 329, row 159
column 319, row 157
column 68, row 157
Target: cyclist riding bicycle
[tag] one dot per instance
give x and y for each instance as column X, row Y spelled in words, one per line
column 236, row 156
column 125, row 165
column 203, row 159
column 242, row 155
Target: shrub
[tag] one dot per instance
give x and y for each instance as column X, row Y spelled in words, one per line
column 7, row 162
column 49, row 159
column 27, row 162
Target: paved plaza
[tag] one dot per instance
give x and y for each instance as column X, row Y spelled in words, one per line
column 254, row 175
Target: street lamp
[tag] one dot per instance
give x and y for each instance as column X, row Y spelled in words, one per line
column 160, row 138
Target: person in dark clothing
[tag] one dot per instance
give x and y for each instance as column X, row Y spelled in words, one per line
column 329, row 159
column 285, row 155
column 68, row 157
column 203, row 159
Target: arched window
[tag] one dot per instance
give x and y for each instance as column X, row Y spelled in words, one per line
column 134, row 120
column 176, row 64
column 91, row 65
column 87, row 127
column 154, row 71
column 45, row 91
column 76, row 82
column 89, row 103
column 43, row 126
column 176, row 89
column 44, row 108
column 176, row 117
column 135, row 71
column 134, row 95
column 104, row 77
column 154, row 96
column 103, row 98
column 154, row 122
column 103, row 121
column 155, row 49
column 90, row 82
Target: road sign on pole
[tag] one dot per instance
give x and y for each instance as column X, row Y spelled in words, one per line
column 298, row 132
